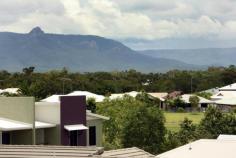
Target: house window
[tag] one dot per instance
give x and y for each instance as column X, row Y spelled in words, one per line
column 92, row 135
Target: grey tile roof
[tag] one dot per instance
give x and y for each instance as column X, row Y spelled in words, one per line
column 41, row 151
column 127, row 152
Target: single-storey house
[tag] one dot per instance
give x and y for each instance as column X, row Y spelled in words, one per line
column 22, row 121
column 225, row 99
column 203, row 103
column 121, row 95
column 161, row 96
column 96, row 97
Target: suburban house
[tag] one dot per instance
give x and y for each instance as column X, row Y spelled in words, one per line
column 22, row 121
column 203, row 148
column 174, row 94
column 121, row 95
column 226, row 97
column 96, row 97
column 203, row 103
column 10, row 91
column 70, row 120
column 160, row 96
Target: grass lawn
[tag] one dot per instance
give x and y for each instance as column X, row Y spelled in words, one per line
column 173, row 119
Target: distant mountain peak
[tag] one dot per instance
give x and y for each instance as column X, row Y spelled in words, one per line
column 36, row 31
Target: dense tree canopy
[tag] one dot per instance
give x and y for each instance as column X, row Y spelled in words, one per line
column 41, row 85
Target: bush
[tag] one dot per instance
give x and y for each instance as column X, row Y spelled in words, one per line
column 180, row 110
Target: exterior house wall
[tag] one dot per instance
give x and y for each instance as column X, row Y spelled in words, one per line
column 52, row 136
column 17, row 108
column 73, row 111
column 47, row 112
column 98, row 124
column 20, row 109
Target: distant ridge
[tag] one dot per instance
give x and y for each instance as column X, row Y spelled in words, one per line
column 204, row 56
column 84, row 53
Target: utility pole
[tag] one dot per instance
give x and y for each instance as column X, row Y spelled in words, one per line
column 63, row 79
column 191, row 84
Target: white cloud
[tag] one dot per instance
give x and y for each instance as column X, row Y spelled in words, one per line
column 143, row 19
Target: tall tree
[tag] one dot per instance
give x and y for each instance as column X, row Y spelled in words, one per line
column 145, row 129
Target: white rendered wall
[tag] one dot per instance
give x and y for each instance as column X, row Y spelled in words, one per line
column 98, row 124
column 47, row 112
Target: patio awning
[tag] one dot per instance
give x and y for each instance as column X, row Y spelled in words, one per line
column 77, row 127
column 39, row 125
column 11, row 125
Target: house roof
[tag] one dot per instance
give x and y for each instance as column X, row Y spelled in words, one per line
column 212, row 91
column 53, row 98
column 226, row 101
column 10, row 90
column 224, row 94
column 159, row 95
column 43, row 151
column 226, row 137
column 231, row 87
column 93, row 116
column 126, row 153
column 174, row 94
column 204, row 148
column 202, row 100
column 56, row 98
column 98, row 98
column 121, row 95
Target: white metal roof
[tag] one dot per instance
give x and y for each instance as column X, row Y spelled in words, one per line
column 98, row 98
column 159, row 95
column 93, row 116
column 56, row 98
column 212, row 91
column 10, row 90
column 226, row 137
column 75, row 127
column 121, row 95
column 204, row 148
column 224, row 94
column 53, row 98
column 229, row 87
column 202, row 100
column 226, row 101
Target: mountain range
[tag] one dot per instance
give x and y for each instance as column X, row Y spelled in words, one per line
column 84, row 53
column 87, row 53
column 204, row 56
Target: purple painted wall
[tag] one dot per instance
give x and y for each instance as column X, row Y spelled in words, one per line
column 73, row 111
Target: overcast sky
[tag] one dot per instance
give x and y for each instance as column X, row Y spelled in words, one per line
column 141, row 24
